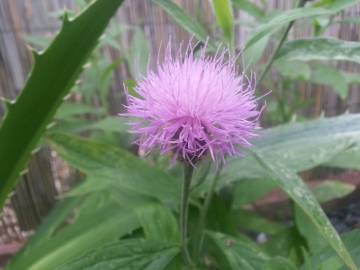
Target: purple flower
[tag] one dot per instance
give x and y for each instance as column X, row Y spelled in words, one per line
column 193, row 106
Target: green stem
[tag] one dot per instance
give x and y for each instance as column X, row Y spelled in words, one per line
column 184, row 209
column 300, row 4
column 205, row 209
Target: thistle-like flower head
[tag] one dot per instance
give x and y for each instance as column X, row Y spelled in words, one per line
column 194, row 106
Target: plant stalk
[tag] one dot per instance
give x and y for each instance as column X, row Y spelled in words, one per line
column 184, row 211
column 300, row 4
column 205, row 209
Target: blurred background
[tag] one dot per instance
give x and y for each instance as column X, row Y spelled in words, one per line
column 131, row 42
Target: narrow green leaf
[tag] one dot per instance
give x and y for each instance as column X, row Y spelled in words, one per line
column 326, row 191
column 134, row 254
column 327, row 49
column 249, row 8
column 277, row 22
column 291, row 183
column 54, row 73
column 180, row 17
column 105, row 161
column 224, row 17
column 328, row 259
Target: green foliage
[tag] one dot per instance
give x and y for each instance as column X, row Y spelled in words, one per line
column 55, row 69
column 224, row 17
column 326, row 259
column 183, row 19
column 321, row 49
column 124, row 213
column 302, row 146
column 249, row 7
column 289, row 182
column 234, row 253
column 324, row 192
column 327, row 75
column 116, row 165
column 134, row 254
column 275, row 23
column 96, row 221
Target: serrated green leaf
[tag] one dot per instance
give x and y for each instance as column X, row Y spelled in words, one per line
column 277, row 22
column 106, row 161
column 54, row 73
column 181, row 18
column 135, row 254
column 291, row 183
column 224, row 17
column 324, row 49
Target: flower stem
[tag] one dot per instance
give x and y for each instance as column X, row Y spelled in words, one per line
column 184, row 209
column 300, row 4
column 205, row 209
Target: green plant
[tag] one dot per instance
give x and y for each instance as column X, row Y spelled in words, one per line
column 125, row 215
